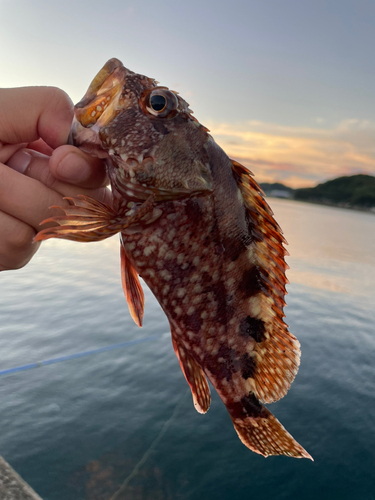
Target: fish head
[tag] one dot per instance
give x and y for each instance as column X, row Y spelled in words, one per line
column 146, row 133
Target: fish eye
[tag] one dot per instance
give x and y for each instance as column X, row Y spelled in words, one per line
column 158, row 102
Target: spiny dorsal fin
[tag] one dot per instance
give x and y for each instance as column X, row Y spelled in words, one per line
column 194, row 376
column 277, row 353
column 132, row 289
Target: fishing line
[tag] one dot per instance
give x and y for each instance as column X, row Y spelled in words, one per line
column 152, row 446
column 60, row 359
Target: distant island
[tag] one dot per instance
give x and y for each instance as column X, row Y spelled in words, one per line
column 355, row 191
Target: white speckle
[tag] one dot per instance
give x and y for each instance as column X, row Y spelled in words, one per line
column 231, row 266
column 196, row 261
column 169, row 255
column 171, row 235
column 194, row 278
column 98, row 108
column 162, row 251
column 165, row 289
column 215, row 275
column 148, row 250
column 180, row 258
column 181, row 292
column 151, row 273
column 204, row 316
column 178, row 311
column 165, row 274
column 197, row 288
column 197, row 299
column 93, row 113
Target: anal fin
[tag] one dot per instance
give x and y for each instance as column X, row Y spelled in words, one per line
column 132, row 289
column 195, row 377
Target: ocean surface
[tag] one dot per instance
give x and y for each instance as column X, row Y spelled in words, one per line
column 121, row 424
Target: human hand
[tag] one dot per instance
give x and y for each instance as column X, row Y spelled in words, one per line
column 36, row 169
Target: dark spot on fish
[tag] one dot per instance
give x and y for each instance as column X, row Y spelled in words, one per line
column 253, row 327
column 224, row 363
column 160, row 127
column 193, row 321
column 251, row 405
column 248, row 406
column 248, row 366
column 234, row 247
column 253, row 281
column 171, row 266
column 219, row 249
column 194, row 210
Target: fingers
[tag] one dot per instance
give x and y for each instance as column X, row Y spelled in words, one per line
column 29, row 113
column 16, row 247
column 70, row 164
column 28, row 197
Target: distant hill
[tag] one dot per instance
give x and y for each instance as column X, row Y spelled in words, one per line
column 277, row 190
column 267, row 187
column 357, row 191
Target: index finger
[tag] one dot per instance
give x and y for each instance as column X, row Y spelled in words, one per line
column 30, row 113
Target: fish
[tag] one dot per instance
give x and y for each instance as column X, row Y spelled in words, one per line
column 195, row 226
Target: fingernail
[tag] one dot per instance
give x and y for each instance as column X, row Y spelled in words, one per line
column 73, row 168
column 19, row 161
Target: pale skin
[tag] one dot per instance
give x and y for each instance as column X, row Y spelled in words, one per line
column 37, row 168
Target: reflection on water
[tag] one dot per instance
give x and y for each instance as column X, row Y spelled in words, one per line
column 78, row 430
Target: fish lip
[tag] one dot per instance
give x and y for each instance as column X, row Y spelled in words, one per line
column 98, row 105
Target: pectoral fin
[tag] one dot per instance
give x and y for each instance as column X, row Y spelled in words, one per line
column 132, row 289
column 195, row 377
column 90, row 220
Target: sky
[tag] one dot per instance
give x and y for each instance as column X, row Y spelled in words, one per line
column 286, row 87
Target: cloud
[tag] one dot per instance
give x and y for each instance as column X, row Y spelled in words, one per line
column 299, row 156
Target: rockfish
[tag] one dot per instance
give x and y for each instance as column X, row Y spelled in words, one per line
column 194, row 225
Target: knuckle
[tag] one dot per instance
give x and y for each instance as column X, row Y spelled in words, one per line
column 59, row 98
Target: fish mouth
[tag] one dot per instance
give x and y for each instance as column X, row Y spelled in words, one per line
column 98, row 107
column 99, row 102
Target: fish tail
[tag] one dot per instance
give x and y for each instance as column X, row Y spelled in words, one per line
column 260, row 431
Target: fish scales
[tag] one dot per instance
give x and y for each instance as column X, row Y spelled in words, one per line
column 194, row 225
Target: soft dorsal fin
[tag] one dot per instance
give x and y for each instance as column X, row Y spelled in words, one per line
column 132, row 289
column 194, row 376
column 276, row 353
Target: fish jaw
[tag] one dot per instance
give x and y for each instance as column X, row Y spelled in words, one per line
column 98, row 107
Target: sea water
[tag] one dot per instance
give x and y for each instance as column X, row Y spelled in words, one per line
column 121, row 424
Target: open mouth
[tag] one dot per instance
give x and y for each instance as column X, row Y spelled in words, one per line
column 101, row 98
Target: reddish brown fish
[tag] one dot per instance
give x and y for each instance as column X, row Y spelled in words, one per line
column 195, row 226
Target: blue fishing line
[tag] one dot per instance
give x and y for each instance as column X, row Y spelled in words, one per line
column 47, row 362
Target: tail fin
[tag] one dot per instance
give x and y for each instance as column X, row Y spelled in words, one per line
column 260, row 431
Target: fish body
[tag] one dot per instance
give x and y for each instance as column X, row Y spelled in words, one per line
column 195, row 227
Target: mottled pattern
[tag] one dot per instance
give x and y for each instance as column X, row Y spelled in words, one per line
column 196, row 228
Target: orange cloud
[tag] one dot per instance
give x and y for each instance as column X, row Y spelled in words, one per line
column 299, row 156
